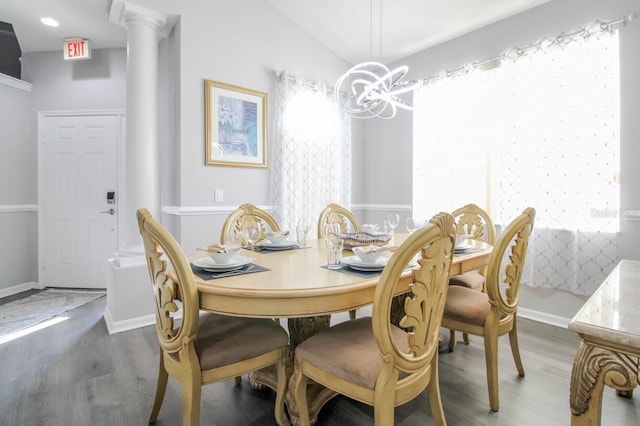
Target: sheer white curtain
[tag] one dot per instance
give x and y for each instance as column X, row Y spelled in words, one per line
column 312, row 154
column 542, row 130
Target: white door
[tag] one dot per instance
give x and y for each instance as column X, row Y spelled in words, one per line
column 80, row 169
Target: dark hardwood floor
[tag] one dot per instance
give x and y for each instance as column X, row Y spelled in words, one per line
column 74, row 373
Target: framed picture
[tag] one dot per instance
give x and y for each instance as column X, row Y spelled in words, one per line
column 236, row 126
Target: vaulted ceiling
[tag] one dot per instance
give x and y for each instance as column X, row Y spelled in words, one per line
column 356, row 30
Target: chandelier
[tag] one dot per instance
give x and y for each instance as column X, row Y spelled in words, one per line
column 372, row 89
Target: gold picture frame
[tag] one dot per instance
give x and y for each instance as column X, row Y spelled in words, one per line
column 235, row 125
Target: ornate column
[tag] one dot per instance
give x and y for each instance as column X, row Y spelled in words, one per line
column 129, row 299
column 141, row 180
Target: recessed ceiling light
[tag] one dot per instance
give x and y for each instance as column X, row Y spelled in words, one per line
column 49, row 21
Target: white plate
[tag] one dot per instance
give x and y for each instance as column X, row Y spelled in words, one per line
column 354, row 262
column 208, row 264
column 277, row 246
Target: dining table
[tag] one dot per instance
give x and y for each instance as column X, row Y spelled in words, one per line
column 609, row 353
column 296, row 285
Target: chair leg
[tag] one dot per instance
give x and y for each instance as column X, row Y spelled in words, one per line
column 452, row 340
column 280, row 391
column 433, row 392
column 491, row 358
column 237, row 380
column 352, row 314
column 383, row 411
column 298, row 388
column 161, row 387
column 466, row 338
column 191, row 388
column 513, row 340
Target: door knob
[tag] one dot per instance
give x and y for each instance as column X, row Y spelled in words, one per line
column 111, row 211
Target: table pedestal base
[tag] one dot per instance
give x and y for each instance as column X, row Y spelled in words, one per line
column 300, row 329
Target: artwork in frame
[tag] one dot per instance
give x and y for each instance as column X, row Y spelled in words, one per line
column 236, row 126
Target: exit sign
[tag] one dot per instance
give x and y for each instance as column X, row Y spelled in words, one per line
column 76, row 49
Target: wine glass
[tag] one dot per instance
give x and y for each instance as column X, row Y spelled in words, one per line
column 394, row 220
column 413, row 224
column 251, row 235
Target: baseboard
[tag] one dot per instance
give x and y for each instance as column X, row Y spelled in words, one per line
column 544, row 317
column 5, row 292
column 126, row 325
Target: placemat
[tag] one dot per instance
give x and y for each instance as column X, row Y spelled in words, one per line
column 247, row 269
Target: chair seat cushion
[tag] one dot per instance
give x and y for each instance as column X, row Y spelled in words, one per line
column 348, row 351
column 467, row 305
column 224, row 340
column 470, row 279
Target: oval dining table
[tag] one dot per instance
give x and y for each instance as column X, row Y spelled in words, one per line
column 298, row 286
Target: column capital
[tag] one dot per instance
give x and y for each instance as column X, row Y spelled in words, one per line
column 122, row 12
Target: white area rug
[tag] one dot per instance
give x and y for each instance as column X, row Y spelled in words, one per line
column 31, row 310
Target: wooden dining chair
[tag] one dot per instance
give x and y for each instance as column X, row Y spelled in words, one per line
column 202, row 349
column 373, row 361
column 246, row 216
column 335, row 213
column 472, row 222
column 493, row 314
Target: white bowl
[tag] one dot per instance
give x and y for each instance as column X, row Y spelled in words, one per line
column 369, row 254
column 223, row 258
column 278, row 238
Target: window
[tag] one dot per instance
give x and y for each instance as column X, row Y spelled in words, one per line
column 539, row 131
column 312, row 164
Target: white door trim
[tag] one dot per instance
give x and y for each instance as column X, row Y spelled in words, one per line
column 42, row 115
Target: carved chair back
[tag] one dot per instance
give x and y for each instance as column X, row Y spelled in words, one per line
column 475, row 223
column 506, row 265
column 424, row 305
column 174, row 288
column 335, row 213
column 248, row 216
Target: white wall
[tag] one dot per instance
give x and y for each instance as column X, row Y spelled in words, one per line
column 18, row 188
column 239, row 43
column 55, row 85
column 386, row 136
column 98, row 83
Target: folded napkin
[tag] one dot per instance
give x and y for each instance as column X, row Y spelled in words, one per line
column 369, row 249
column 369, row 227
column 278, row 234
column 220, row 248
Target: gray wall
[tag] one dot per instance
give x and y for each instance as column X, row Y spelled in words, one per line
column 550, row 19
column 18, row 188
column 243, row 46
column 56, row 85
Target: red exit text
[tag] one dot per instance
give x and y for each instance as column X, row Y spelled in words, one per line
column 77, row 49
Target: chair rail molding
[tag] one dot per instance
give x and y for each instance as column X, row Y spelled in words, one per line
column 18, row 208
column 225, row 210
column 204, row 210
column 382, row 207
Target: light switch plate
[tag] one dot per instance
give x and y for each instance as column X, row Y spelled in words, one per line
column 218, row 196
